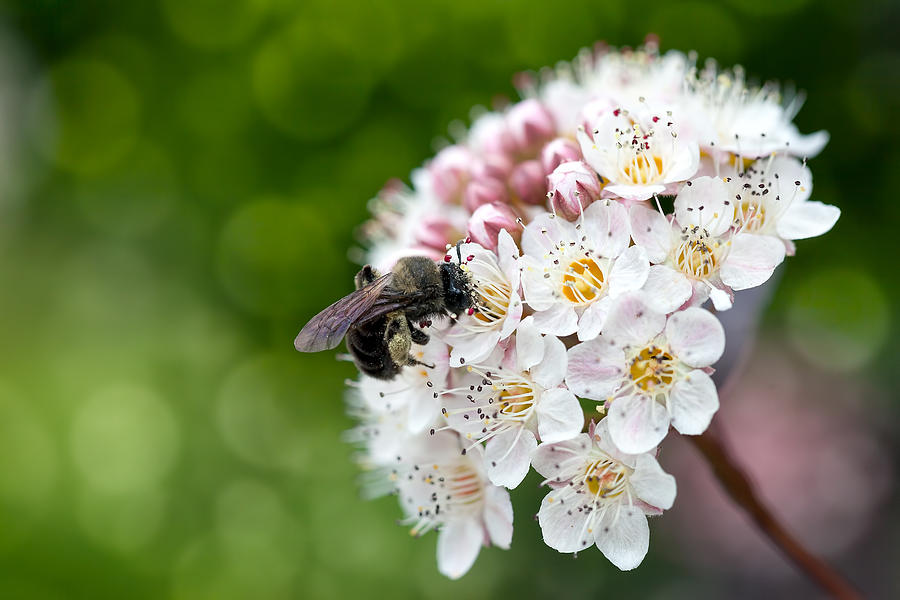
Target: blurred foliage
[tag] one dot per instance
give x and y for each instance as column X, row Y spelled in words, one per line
column 179, row 184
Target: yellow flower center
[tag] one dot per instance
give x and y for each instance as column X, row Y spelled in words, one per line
column 494, row 303
column 642, row 170
column 751, row 215
column 652, row 369
column 583, row 281
column 516, row 399
column 697, row 256
column 605, row 479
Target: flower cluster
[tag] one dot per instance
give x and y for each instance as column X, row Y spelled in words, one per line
column 607, row 217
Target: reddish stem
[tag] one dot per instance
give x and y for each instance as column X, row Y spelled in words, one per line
column 738, row 485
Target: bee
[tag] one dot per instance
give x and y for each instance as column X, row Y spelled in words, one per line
column 378, row 319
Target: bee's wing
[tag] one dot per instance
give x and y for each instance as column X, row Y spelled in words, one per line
column 325, row 330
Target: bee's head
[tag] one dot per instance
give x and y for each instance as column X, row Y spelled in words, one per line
column 458, row 290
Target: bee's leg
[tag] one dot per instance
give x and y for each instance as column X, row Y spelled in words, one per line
column 365, row 276
column 418, row 336
column 398, row 338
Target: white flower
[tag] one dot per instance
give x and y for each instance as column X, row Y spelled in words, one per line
column 498, row 309
column 512, row 397
column 771, row 197
column 638, row 157
column 650, row 371
column 571, row 271
column 601, row 496
column 440, row 488
column 748, row 122
column 697, row 255
column 392, row 411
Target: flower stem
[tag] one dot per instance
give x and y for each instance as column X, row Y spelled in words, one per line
column 739, row 486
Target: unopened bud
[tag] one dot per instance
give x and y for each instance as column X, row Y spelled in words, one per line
column 530, row 125
column 573, row 186
column 559, row 151
column 488, row 220
column 484, row 190
column 491, row 135
column 450, row 170
column 434, row 231
column 529, row 182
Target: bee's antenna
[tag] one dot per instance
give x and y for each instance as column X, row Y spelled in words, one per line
column 458, row 251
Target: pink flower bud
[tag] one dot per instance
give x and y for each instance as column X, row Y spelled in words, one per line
column 449, row 172
column 484, row 190
column 491, row 135
column 487, row 221
column 530, row 125
column 493, row 166
column 559, row 151
column 434, row 231
column 529, row 182
column 573, row 186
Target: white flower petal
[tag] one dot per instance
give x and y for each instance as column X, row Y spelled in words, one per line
column 651, row 484
column 552, row 368
column 807, row 219
column 637, row 423
column 629, row 271
column 507, row 257
column 633, row 192
column 666, row 289
column 751, row 260
column 559, row 416
column 544, row 232
column 529, row 344
column 624, row 538
column 693, row 402
column 632, row 321
column 607, row 227
column 562, row 531
column 538, row 294
column 594, row 369
column 508, row 456
column 696, row 336
column 559, row 319
column 459, row 542
column 593, row 318
column 471, row 347
column 652, row 231
column 721, row 299
column 498, row 516
column 546, row 460
column 702, row 203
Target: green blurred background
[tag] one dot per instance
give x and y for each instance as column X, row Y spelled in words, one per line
column 180, row 182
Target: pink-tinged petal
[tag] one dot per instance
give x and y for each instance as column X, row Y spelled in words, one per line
column 701, row 202
column 552, row 368
column 807, row 219
column 459, row 542
column 696, row 336
column 632, row 321
column 751, row 260
column 563, row 526
column 529, row 344
column 604, row 442
column 637, row 424
column 559, row 416
column 593, row 318
column 595, row 369
column 559, row 319
column 470, row 347
column 607, row 227
column 652, row 231
column 623, row 538
column 666, row 289
column 651, row 484
column 508, row 456
column 633, row 192
column 693, row 402
column 498, row 516
column 548, row 457
column 629, row 271
column 488, row 222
